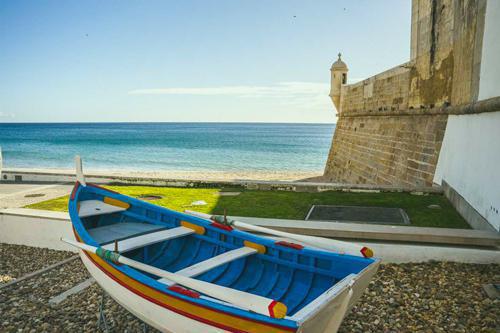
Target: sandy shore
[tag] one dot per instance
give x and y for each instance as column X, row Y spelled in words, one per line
column 187, row 175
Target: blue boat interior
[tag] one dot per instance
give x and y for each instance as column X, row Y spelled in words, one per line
column 290, row 275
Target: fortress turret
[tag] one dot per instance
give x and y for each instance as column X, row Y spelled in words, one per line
column 339, row 77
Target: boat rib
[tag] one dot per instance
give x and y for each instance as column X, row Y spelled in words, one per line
column 211, row 263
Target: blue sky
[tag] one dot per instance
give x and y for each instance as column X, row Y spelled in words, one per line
column 257, row 61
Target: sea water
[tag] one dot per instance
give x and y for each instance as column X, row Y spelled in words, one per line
column 168, row 146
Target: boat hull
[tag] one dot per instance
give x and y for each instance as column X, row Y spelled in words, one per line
column 328, row 320
column 318, row 287
column 155, row 315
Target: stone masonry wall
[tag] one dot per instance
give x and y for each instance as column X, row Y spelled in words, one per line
column 385, row 91
column 398, row 150
column 376, row 141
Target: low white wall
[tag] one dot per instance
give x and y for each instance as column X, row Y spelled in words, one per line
column 40, row 228
column 406, row 253
column 470, row 162
column 10, row 175
column 36, row 228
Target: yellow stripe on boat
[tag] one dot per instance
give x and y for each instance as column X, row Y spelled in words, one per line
column 197, row 228
column 259, row 247
column 115, row 202
column 176, row 304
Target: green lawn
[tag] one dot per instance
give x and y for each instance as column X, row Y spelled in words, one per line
column 288, row 205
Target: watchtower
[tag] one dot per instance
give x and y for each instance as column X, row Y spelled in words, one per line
column 338, row 78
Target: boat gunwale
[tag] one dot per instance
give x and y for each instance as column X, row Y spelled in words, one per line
column 317, row 252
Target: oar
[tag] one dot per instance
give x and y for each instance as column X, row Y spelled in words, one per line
column 79, row 170
column 324, row 243
column 242, row 299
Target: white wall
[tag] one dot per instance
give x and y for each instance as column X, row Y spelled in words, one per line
column 489, row 84
column 470, row 161
column 36, row 228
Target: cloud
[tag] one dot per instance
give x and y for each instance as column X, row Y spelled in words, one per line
column 6, row 115
column 276, row 90
column 299, row 94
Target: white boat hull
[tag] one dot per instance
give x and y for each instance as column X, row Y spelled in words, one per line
column 329, row 318
column 149, row 312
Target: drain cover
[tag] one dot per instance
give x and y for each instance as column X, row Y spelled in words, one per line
column 371, row 215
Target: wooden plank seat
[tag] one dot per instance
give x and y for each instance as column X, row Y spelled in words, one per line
column 132, row 235
column 211, row 263
column 97, row 207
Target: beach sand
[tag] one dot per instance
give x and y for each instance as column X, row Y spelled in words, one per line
column 186, row 175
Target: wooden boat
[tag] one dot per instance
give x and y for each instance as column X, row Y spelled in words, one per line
column 182, row 273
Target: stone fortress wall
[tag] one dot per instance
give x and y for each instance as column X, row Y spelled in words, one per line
column 391, row 125
column 434, row 120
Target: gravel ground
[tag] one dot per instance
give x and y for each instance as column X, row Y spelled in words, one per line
column 17, row 260
column 427, row 297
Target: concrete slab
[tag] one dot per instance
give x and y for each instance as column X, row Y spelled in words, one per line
column 404, row 253
column 492, row 290
column 7, row 189
column 19, row 195
column 36, row 213
column 54, row 176
column 75, row 290
column 379, row 232
column 44, row 229
column 347, row 231
column 35, row 228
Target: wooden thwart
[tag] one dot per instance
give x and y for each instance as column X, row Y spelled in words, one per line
column 96, row 207
column 211, row 263
column 148, row 239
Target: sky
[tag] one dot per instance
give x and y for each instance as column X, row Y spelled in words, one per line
column 190, row 61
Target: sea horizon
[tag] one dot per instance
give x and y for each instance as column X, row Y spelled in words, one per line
column 165, row 122
column 231, row 147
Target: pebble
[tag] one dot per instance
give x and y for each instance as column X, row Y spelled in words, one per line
column 423, row 297
column 427, row 297
column 19, row 260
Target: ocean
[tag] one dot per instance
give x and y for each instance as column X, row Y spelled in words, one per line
column 168, row 146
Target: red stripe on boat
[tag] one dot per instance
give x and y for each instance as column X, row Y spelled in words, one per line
column 290, row 245
column 222, row 226
column 184, row 291
column 75, row 189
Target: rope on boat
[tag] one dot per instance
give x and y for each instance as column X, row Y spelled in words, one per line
column 108, row 255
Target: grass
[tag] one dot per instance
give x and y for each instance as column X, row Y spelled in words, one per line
column 287, row 205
